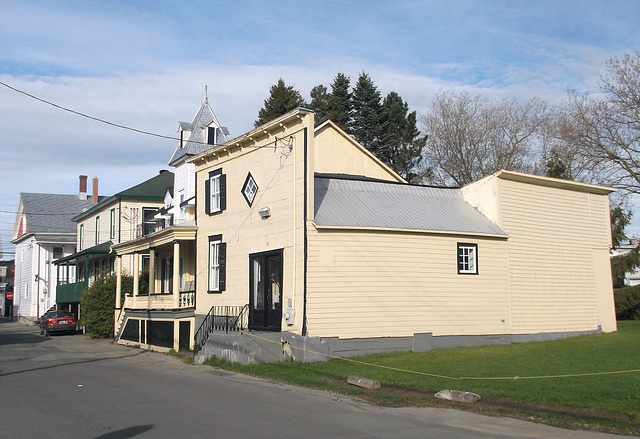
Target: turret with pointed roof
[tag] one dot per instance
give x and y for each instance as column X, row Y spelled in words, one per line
column 199, row 135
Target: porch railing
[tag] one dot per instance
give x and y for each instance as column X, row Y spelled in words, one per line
column 221, row 318
column 187, row 299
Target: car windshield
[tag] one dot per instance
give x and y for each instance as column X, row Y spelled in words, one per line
column 57, row 314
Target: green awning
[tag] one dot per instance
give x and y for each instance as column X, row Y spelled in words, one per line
column 96, row 250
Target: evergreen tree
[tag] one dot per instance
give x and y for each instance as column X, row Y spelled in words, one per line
column 556, row 168
column 401, row 144
column 282, row 99
column 339, row 108
column 319, row 102
column 97, row 304
column 366, row 123
column 627, row 262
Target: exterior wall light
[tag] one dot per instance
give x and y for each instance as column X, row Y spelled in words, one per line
column 264, row 213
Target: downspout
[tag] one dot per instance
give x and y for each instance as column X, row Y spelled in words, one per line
column 119, row 221
column 304, row 278
column 195, row 250
column 38, row 286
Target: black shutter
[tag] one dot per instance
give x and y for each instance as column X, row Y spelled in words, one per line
column 207, row 195
column 223, row 192
column 222, row 262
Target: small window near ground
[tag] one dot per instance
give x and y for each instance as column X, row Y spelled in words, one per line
column 467, row 258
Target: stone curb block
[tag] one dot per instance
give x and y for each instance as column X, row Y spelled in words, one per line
column 457, row 396
column 363, row 382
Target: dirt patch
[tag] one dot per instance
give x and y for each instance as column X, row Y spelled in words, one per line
column 560, row 416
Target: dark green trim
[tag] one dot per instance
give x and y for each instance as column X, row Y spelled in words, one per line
column 100, row 249
column 70, row 293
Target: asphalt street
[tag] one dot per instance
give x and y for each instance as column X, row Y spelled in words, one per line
column 73, row 387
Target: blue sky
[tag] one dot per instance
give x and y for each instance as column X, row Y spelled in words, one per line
column 145, row 64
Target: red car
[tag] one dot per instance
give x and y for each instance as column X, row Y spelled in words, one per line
column 58, row 321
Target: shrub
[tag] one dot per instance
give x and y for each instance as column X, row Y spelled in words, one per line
column 143, row 282
column 97, row 305
column 627, row 302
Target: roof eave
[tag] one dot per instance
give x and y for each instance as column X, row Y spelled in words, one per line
column 500, row 236
column 554, row 182
column 293, row 114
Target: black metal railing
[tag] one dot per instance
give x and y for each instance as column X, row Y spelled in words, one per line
column 223, row 319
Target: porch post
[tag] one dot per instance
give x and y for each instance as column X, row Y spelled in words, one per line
column 136, row 273
column 176, row 274
column 118, row 282
column 152, row 271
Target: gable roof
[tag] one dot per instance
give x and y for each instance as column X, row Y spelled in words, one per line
column 337, row 152
column 153, row 189
column 374, row 204
column 51, row 213
column 197, row 141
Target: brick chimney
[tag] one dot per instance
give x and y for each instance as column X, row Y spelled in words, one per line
column 94, row 200
column 83, row 188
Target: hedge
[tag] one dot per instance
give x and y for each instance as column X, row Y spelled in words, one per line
column 627, row 302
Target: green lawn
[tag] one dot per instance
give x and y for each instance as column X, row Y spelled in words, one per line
column 532, row 380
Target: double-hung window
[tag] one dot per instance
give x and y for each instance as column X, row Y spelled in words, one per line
column 215, row 192
column 217, row 263
column 112, row 224
column 166, row 275
column 467, row 258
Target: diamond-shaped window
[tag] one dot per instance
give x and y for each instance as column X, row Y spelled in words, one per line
column 249, row 189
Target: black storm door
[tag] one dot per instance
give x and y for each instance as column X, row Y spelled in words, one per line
column 265, row 291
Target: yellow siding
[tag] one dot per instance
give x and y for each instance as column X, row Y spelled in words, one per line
column 337, row 153
column 558, row 282
column 279, row 174
column 372, row 284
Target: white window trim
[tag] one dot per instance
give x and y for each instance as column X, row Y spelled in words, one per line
column 214, row 194
column 112, row 228
column 469, row 255
column 214, row 265
column 97, row 230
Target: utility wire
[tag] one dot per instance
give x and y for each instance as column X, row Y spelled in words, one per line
column 97, row 119
column 124, row 127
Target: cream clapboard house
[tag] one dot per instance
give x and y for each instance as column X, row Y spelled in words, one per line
column 306, row 240
column 165, row 317
column 109, row 221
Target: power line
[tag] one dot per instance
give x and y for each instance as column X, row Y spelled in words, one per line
column 35, row 213
column 97, row 119
column 285, row 144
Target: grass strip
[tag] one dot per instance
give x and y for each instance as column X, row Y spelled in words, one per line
column 547, row 381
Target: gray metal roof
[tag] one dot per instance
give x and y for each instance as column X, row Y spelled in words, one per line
column 357, row 203
column 52, row 213
column 197, row 141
